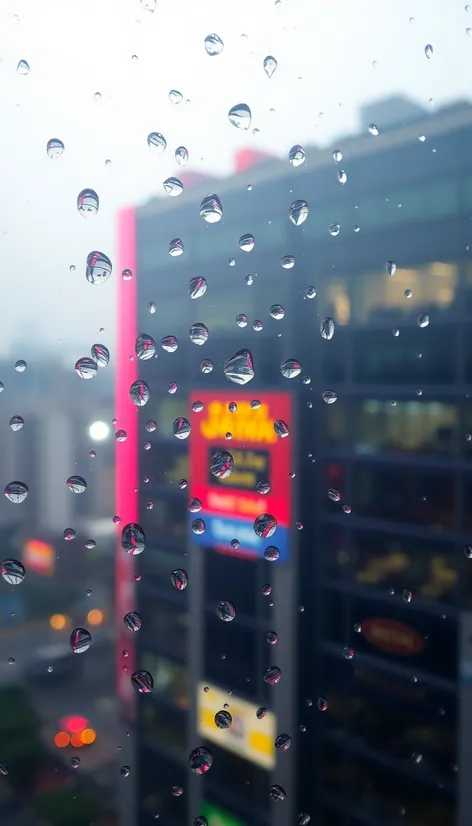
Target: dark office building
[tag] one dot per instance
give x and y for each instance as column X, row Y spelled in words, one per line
column 370, row 595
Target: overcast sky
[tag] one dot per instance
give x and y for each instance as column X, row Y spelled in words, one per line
column 332, row 56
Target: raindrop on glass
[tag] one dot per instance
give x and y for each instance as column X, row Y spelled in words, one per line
column 329, row 396
column 210, row 209
column 423, row 320
column 265, row 525
column 272, row 675
column 181, row 155
column 296, row 155
column 342, row 176
column 87, row 203
column 23, row 67
column 206, row 366
column 20, row 366
column 334, row 229
column 270, row 65
column 142, row 681
column 181, row 428
column 175, row 96
column 290, row 368
column 223, row 719
column 298, row 212
column 225, row 610
column 179, row 579
column 373, row 129
column 16, row 492
column 390, row 268
column 133, row 539
column 200, row 760
column 261, row 713
column 277, row 312
column 198, row 526
column 221, row 464
column 139, row 393
column 240, row 368
column 13, row 571
column 240, row 116
column 327, row 328
column 428, row 50
column 169, row 344
column 246, row 242
column 157, row 142
column 80, row 640
column 54, row 148
column 145, row 347
column 271, row 553
column 86, row 368
column 281, row 428
column 176, row 247
column 16, row 422
column 98, row 268
column 283, row 742
column 213, row 45
column 198, row 333
column 197, row 287
column 133, row 621
column 173, row 187
column 77, row 484
column 241, row 320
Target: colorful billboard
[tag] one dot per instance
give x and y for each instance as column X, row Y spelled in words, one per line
column 393, row 636
column 39, row 557
column 259, row 482
column 247, row 736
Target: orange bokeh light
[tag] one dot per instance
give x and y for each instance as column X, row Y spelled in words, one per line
column 88, row 736
column 76, row 741
column 74, row 723
column 62, row 739
column 58, row 622
column 95, row 617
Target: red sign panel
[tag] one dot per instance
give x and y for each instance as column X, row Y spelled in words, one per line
column 259, row 482
column 392, row 636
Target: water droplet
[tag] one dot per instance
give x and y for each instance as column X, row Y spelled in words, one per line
column 97, row 96
column 75, row 762
column 408, row 293
column 142, row 681
column 337, row 156
column 100, row 355
column 98, row 268
column 173, row 187
column 221, row 464
column 342, row 176
column 54, row 148
column 334, row 495
column 334, row 229
column 133, row 621
column 240, row 368
column 223, row 719
column 210, row 209
column 197, row 287
column 80, row 640
column 87, row 203
column 198, row 333
column 169, row 344
column 348, row 653
column 329, row 396
column 181, row 155
column 13, row 571
column 200, row 760
column 261, row 713
column 241, row 320
column 423, row 320
column 16, row 422
column 249, row 279
column 200, row 820
column 176, row 247
column 86, row 368
column 428, row 50
column 271, row 553
column 20, row 366
column 125, row 771
column 126, row 275
column 246, row 242
column 290, row 368
column 390, row 267
column 23, row 68
column 231, row 262
column 69, row 534
column 407, row 595
column 90, row 544
column 270, row 65
column 272, row 675
column 175, row 96
column 272, row 638
column 181, row 428
column 276, row 792
column 179, row 579
column 281, row 428
column 327, row 328
column 298, row 212
column 240, row 116
column 373, row 129
column 139, row 393
column 296, row 155
column 157, row 142
column 287, row 262
column 197, row 406
column 213, row 44
column 277, row 311
column 265, row 525
column 263, row 488
column 177, row 791
column 225, row 611
column 303, row 819
column 77, row 484
column 283, row 742
column 133, row 539
column 198, row 526
column 206, row 366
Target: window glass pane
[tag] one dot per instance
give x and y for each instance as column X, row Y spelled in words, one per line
column 404, row 426
column 166, row 625
column 416, row 357
column 170, row 678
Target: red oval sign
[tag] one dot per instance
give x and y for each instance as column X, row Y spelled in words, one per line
column 392, row 636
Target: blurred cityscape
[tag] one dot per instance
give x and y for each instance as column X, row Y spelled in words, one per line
column 347, row 668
